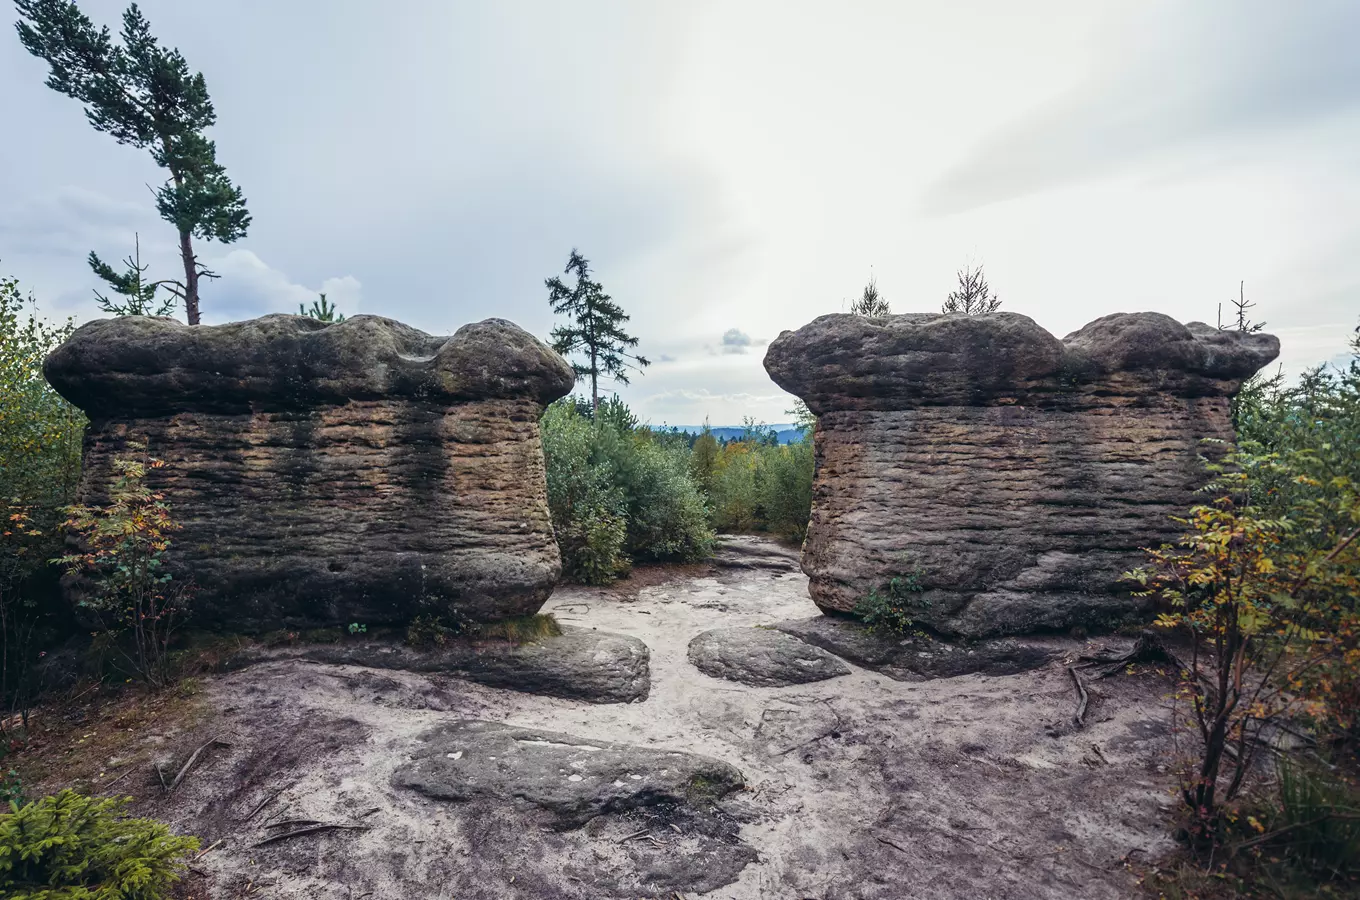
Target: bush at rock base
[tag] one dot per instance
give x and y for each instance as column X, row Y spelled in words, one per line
column 72, row 847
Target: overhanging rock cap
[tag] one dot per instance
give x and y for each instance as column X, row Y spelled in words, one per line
column 846, row 361
column 149, row 366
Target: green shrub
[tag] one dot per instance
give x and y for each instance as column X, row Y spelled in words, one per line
column 72, row 847
column 757, row 484
column 785, row 488
column 40, row 448
column 618, row 492
column 891, row 608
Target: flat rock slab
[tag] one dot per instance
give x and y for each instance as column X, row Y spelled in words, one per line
column 762, row 657
column 574, row 779
column 579, row 664
column 916, row 658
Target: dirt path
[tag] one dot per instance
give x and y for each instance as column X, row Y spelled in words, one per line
column 857, row 787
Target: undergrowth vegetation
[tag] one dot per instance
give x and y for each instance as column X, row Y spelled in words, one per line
column 72, row 847
column 1265, row 589
column 621, row 492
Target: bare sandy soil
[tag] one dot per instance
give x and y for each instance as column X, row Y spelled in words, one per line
column 856, row 787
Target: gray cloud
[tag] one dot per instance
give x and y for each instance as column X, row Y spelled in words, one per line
column 735, row 340
column 1175, row 75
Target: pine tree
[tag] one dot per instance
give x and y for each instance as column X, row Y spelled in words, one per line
column 871, row 302
column 594, row 329
column 974, row 296
column 140, row 294
column 322, row 311
column 145, row 96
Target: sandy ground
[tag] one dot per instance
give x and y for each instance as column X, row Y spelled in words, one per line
column 857, row 787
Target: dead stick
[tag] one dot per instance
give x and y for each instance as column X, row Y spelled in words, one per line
column 189, row 765
column 635, row 834
column 1080, row 714
column 125, row 774
column 292, row 823
column 213, row 846
column 883, row 840
column 312, row 830
column 263, row 803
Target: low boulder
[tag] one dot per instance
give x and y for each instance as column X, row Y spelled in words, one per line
column 761, row 657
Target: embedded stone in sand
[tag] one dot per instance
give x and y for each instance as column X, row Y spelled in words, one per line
column 572, row 778
column 762, row 657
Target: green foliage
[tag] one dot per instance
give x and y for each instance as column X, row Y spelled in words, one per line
column 973, row 296
column 619, row 492
column 594, row 329
column 71, row 847
column 322, row 311
column 356, row 628
column 139, row 294
column 11, row 789
column 588, row 510
column 1266, row 582
column 757, row 483
column 889, row 609
column 40, row 451
column 144, row 95
column 871, row 302
column 122, row 547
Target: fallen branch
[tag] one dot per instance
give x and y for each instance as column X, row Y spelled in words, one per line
column 309, row 830
column 262, row 804
column 636, row 834
column 1079, row 717
column 293, row 823
column 883, row 840
column 190, row 764
column 213, row 846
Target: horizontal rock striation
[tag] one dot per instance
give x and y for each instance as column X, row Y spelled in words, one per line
column 1016, row 476
column 362, row 471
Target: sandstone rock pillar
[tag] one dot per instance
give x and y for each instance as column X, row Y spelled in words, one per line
column 1015, row 475
column 362, row 471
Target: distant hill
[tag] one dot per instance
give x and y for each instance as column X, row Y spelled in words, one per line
column 786, row 432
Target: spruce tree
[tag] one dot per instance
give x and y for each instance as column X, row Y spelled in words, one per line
column 974, row 296
column 322, row 311
column 594, row 329
column 145, row 96
column 871, row 302
column 139, row 295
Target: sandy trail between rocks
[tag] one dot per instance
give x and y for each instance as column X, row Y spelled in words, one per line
column 858, row 786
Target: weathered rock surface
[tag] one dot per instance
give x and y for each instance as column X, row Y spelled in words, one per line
column 761, row 657
column 921, row 657
column 330, row 473
column 579, row 664
column 573, row 779
column 1016, row 474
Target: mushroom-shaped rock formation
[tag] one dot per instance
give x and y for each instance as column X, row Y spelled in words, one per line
column 1014, row 475
column 361, row 471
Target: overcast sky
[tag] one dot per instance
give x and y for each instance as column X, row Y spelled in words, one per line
column 733, row 169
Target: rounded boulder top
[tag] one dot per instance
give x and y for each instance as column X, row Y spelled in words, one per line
column 846, row 361
column 137, row 365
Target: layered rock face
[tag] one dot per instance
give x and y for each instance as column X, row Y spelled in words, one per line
column 1014, row 475
column 362, row 471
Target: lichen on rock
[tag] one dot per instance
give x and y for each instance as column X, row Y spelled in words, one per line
column 1016, row 475
column 362, row 471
